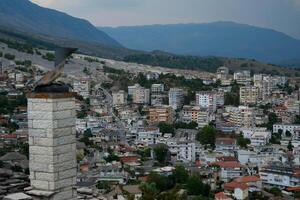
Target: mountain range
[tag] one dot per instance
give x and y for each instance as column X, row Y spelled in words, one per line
column 225, row 39
column 25, row 16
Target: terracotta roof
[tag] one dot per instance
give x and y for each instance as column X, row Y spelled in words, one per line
column 128, row 159
column 228, row 164
column 233, row 185
column 225, row 141
column 293, row 189
column 227, row 158
column 222, row 196
column 247, row 179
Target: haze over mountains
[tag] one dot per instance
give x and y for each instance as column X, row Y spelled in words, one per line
column 25, row 16
column 225, row 39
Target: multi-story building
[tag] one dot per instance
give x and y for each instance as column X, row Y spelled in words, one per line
column 157, row 88
column 119, row 98
column 132, row 89
column 229, row 170
column 207, row 100
column 82, row 87
column 176, row 98
column 248, row 95
column 260, row 138
column 291, row 128
column 196, row 114
column 141, row 96
column 241, row 116
column 222, row 73
column 158, row 99
column 161, row 114
column 280, row 175
column 242, row 77
column 148, row 136
column 184, row 146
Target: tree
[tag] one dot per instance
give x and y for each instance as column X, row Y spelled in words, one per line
column 231, row 98
column 166, row 128
column 180, row 174
column 290, row 147
column 149, row 191
column 162, row 183
column 207, row 136
column 243, row 142
column 161, row 152
column 276, row 191
column 195, row 186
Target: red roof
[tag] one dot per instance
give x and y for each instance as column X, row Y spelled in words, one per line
column 227, row 158
column 129, row 159
column 293, row 189
column 8, row 136
column 247, row 179
column 225, row 141
column 233, row 185
column 228, row 164
column 221, row 196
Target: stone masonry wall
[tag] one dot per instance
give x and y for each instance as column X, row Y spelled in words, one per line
column 52, row 146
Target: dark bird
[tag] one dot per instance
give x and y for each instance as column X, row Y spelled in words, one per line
column 61, row 55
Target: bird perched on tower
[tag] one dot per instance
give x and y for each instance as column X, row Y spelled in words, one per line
column 61, row 55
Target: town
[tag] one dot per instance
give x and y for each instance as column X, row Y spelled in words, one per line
column 148, row 133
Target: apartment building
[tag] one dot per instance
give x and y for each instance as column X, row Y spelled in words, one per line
column 242, row 116
column 82, row 87
column 242, row 77
column 157, row 88
column 161, row 114
column 176, row 98
column 249, row 95
column 119, row 98
column 148, row 136
column 207, row 100
column 141, row 96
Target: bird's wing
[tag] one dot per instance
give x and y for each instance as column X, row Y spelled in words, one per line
column 61, row 54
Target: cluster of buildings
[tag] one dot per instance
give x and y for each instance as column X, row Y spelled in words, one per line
column 256, row 143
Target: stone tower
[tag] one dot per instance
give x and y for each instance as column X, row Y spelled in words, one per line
column 52, row 145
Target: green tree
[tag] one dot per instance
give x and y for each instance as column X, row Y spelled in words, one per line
column 195, row 186
column 276, row 191
column 207, row 136
column 166, row 128
column 149, row 191
column 163, row 183
column 243, row 142
column 161, row 152
column 290, row 147
column 180, row 174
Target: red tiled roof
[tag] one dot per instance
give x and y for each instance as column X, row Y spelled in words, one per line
column 227, row 158
column 233, row 185
column 293, row 189
column 8, row 136
column 221, row 196
column 129, row 159
column 228, row 164
column 225, row 141
column 247, row 179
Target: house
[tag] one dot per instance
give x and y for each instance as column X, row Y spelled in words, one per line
column 254, row 182
column 222, row 196
column 238, row 190
column 277, row 174
column 229, row 170
column 225, row 144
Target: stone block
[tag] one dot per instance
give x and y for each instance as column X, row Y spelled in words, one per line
column 42, row 185
column 37, row 133
column 70, row 173
column 44, row 176
column 44, row 124
column 59, row 132
column 69, row 122
column 65, row 105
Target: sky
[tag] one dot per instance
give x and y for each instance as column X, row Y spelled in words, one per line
column 281, row 15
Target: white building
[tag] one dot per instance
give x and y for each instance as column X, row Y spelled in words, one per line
column 157, row 88
column 242, row 77
column 286, row 128
column 148, row 136
column 260, row 138
column 141, row 96
column 119, row 98
column 176, row 98
column 132, row 89
column 207, row 100
column 82, row 87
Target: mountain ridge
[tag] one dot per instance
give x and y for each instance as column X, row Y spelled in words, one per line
column 24, row 15
column 227, row 39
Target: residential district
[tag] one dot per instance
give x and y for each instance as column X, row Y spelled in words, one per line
column 145, row 135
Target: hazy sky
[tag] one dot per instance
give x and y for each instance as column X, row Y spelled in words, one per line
column 281, row 15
